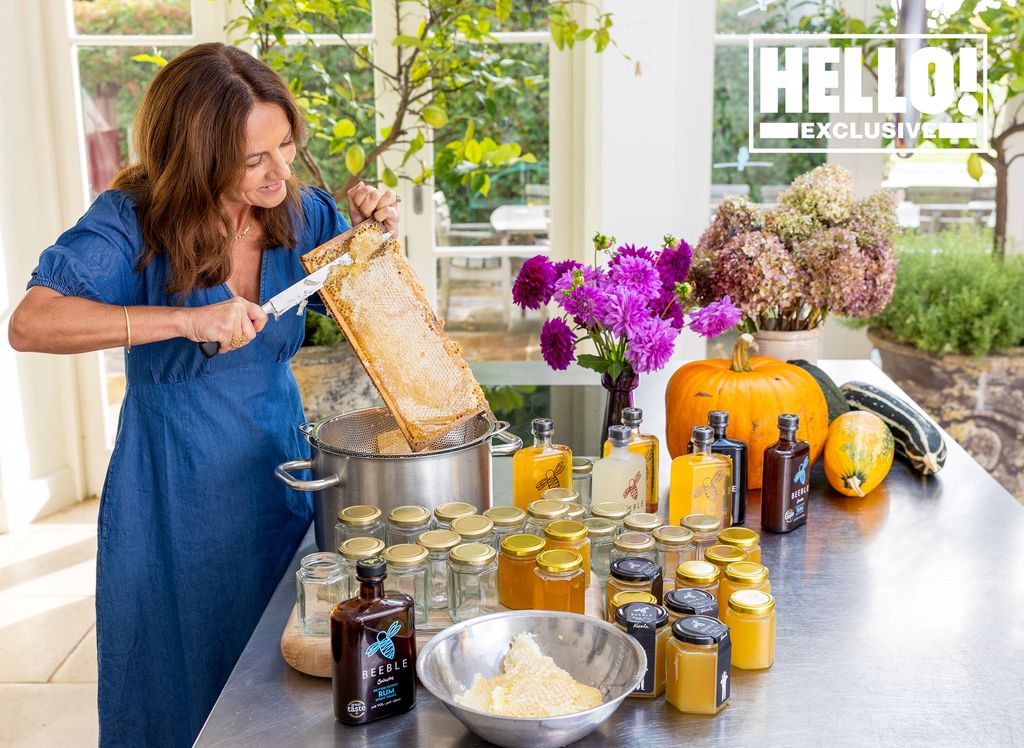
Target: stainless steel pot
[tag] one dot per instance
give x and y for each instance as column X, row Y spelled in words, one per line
column 347, row 469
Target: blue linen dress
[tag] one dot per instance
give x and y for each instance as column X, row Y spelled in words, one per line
column 194, row 529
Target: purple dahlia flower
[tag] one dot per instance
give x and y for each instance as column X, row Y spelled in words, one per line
column 715, row 318
column 636, row 275
column 535, row 283
column 556, row 344
column 651, row 346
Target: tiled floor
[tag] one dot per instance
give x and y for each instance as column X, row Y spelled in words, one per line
column 48, row 631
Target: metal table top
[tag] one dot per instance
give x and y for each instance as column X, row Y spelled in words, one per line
column 900, row 622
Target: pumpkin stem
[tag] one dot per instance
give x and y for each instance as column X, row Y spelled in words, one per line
column 853, row 483
column 741, row 353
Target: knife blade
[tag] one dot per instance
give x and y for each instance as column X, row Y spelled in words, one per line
column 295, row 293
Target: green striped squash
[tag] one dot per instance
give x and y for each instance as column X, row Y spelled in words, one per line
column 917, row 439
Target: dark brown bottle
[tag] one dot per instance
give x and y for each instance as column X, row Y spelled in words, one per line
column 785, row 482
column 736, row 451
column 373, row 645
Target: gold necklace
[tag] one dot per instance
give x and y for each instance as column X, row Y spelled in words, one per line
column 244, row 231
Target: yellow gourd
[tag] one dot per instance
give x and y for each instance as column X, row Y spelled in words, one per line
column 858, row 453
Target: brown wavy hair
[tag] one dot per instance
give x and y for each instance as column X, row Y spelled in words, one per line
column 190, row 150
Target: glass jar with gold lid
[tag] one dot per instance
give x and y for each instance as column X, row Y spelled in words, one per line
column 645, row 522
column 445, row 513
column 616, row 511
column 674, row 545
column 516, row 561
column 559, row 581
column 750, row 616
column 320, row 581
column 639, row 574
column 743, row 538
column 352, row 551
column 542, row 512
column 474, row 528
column 582, row 468
column 631, row 596
column 648, row 624
column 705, row 531
column 570, row 535
column 687, row 601
column 438, row 544
column 698, row 665
column 472, row 581
column 698, row 575
column 601, row 532
column 576, row 511
column 359, row 521
column 508, row 520
column 634, row 544
column 407, row 572
column 406, row 523
column 742, row 575
column 565, row 495
column 721, row 556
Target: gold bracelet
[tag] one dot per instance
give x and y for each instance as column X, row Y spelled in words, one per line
column 128, row 325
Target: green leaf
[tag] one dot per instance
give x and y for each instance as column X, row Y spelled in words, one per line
column 355, row 159
column 389, row 178
column 974, row 167
column 344, row 128
column 473, row 152
column 404, row 40
column 481, row 183
column 434, row 116
column 503, row 8
column 153, row 59
column 1017, row 84
column 615, row 368
column 595, row 363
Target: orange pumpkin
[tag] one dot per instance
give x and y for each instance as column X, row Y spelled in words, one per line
column 754, row 391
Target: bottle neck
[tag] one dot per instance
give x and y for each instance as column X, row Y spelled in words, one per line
column 701, row 449
column 371, row 589
column 619, row 451
column 719, row 431
column 542, row 441
column 787, row 436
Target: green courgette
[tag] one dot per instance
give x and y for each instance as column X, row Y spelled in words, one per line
column 834, row 398
column 917, row 439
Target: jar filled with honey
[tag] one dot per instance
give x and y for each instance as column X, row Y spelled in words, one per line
column 516, row 562
column 632, row 596
column 541, row 513
column 743, row 538
column 616, row 511
column 508, row 520
column 634, row 544
column 638, row 574
column 644, row 522
column 602, row 535
column 742, row 575
column 570, row 535
column 445, row 513
column 559, row 582
column 474, row 528
column 721, row 556
column 686, row 601
column 541, row 466
column 750, row 617
column 674, row 545
column 698, row 575
column 705, row 531
column 648, row 624
column 698, row 665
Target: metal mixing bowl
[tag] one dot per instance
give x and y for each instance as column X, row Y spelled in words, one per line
column 594, row 652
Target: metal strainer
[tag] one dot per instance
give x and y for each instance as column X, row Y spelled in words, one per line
column 355, row 434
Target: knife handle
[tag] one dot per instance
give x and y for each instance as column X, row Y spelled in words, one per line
column 209, row 349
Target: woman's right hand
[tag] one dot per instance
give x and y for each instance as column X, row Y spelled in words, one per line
column 236, row 318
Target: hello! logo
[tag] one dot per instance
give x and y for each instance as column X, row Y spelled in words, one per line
column 807, row 92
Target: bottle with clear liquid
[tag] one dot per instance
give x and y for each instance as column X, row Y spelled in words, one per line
column 622, row 475
column 645, row 445
column 540, row 467
column 701, row 481
column 785, row 480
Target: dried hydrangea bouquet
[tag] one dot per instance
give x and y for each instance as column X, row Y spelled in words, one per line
column 817, row 252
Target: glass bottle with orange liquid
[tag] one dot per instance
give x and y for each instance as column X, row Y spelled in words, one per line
column 645, row 445
column 540, row 467
column 701, row 482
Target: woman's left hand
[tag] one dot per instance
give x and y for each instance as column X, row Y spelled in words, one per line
column 366, row 202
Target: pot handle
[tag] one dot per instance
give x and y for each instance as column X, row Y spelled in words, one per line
column 306, row 429
column 512, row 443
column 283, row 474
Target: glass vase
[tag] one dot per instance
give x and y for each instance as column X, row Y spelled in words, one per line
column 620, row 395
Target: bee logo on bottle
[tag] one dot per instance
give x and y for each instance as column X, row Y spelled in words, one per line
column 384, row 643
column 801, row 474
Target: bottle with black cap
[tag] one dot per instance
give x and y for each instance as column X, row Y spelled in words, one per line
column 701, row 482
column 785, row 480
column 735, row 450
column 373, row 647
column 622, row 475
column 541, row 466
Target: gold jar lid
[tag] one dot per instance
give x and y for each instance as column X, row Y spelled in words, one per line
column 740, row 537
column 697, row 572
column 566, row 529
column 405, row 555
column 561, row 494
column 642, row 522
column 521, row 545
column 409, row 515
column 472, row 526
column 576, row 511
column 747, row 572
column 473, row 554
column 505, row 516
column 599, row 527
column 751, row 601
column 547, row 509
column 361, row 547
column 633, row 596
column 453, row 510
column 613, row 510
column 673, row 536
column 559, row 560
column 701, row 522
column 439, row 540
column 359, row 515
column 723, row 555
column 634, row 541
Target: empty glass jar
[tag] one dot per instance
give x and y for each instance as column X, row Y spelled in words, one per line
column 406, row 524
column 615, row 511
column 644, row 522
column 582, row 469
column 508, row 520
column 407, row 572
column 474, row 528
column 705, row 531
column 601, row 532
column 674, row 545
column 444, row 514
column 359, row 521
column 472, row 581
column 352, row 551
column 634, row 545
column 541, row 513
column 438, row 544
column 318, row 587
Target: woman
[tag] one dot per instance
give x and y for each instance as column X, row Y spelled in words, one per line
column 194, row 531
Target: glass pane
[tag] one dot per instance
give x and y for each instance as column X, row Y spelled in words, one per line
column 761, row 16
column 762, row 176
column 345, row 17
column 935, row 194
column 525, row 15
column 111, row 85
column 132, row 18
